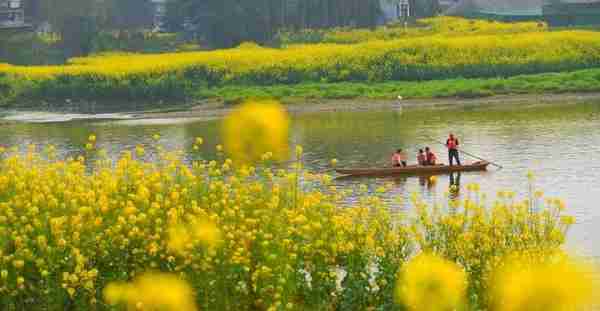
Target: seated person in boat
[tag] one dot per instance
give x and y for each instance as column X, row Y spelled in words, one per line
column 421, row 158
column 399, row 158
column 431, row 158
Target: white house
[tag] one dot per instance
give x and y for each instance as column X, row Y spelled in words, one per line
column 12, row 14
column 394, row 10
column 160, row 10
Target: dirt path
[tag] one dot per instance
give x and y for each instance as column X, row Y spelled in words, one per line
column 216, row 109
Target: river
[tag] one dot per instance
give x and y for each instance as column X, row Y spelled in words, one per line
column 559, row 143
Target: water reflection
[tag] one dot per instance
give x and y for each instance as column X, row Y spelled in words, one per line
column 454, row 186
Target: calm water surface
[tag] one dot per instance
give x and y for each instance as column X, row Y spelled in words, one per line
column 559, row 143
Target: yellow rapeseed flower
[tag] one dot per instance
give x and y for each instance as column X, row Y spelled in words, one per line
column 431, row 283
column 183, row 236
column 155, row 291
column 525, row 285
column 207, row 233
column 254, row 129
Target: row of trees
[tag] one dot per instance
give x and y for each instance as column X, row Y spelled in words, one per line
column 79, row 21
column 220, row 23
column 225, row 23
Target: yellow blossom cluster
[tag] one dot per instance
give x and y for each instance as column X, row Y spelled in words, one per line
column 242, row 236
column 256, row 129
column 441, row 25
column 549, row 283
column 431, row 283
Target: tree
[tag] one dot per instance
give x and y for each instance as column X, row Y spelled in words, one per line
column 75, row 21
column 225, row 23
column 129, row 15
column 425, row 8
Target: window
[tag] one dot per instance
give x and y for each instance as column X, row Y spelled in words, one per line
column 14, row 4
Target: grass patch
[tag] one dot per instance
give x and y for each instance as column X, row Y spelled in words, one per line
column 577, row 81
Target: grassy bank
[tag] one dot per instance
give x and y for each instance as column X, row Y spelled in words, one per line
column 587, row 80
column 576, row 81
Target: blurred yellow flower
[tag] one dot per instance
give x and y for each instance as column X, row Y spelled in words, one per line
column 155, row 291
column 431, row 283
column 207, row 233
column 183, row 236
column 528, row 285
column 254, row 129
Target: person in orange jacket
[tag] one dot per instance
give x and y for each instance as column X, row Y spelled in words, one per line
column 452, row 144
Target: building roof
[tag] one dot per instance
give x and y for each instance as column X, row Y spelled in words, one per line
column 499, row 7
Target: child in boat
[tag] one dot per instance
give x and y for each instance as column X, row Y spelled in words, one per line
column 430, row 157
column 399, row 159
column 421, row 158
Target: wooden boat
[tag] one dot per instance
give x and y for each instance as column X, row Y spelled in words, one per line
column 415, row 170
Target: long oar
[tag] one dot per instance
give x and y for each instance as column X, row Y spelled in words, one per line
column 470, row 154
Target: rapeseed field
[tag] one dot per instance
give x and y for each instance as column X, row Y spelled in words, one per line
column 157, row 233
column 411, row 58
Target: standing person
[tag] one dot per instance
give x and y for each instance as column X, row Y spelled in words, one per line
column 421, row 158
column 399, row 158
column 431, row 158
column 452, row 144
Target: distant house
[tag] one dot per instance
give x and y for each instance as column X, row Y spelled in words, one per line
column 507, row 10
column 446, row 4
column 555, row 12
column 160, row 11
column 12, row 14
column 394, row 10
column 572, row 12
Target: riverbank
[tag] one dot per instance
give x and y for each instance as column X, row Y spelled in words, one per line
column 583, row 81
column 547, row 87
column 216, row 108
column 206, row 110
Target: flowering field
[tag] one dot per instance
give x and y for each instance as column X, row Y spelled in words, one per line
column 147, row 231
column 186, row 75
column 442, row 25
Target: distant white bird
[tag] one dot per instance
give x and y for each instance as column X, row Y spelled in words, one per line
column 399, row 105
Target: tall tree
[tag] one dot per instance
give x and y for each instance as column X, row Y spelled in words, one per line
column 226, row 23
column 129, row 15
column 75, row 21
